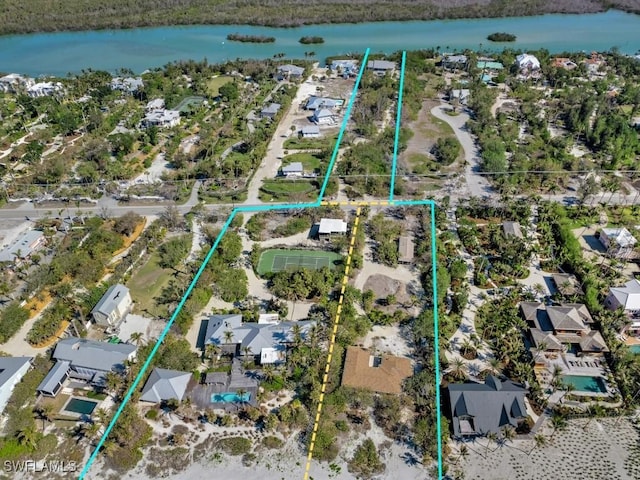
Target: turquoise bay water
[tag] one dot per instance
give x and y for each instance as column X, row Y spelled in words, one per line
column 142, row 48
column 586, row 384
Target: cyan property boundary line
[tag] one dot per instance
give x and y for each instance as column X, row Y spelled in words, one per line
column 316, row 204
column 206, row 260
column 397, row 135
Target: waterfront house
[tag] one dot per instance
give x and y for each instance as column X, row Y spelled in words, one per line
column 329, row 227
column 527, row 63
column 163, row 385
column 12, row 369
column 270, row 111
column 376, row 373
column 86, row 360
column 477, row 409
column 127, row 85
column 564, row 63
column 454, row 62
column 310, row 131
column 381, row 67
column 44, row 89
column 113, row 307
column 294, row 169
column 290, row 71
column 266, row 342
column 23, row 247
column 14, row 82
column 344, row 67
column 619, row 242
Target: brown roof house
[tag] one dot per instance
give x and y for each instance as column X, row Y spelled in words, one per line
column 381, row 374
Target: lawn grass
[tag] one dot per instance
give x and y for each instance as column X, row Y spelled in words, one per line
column 310, row 162
column 214, row 84
column 147, row 283
column 288, row 190
column 419, row 163
column 296, row 143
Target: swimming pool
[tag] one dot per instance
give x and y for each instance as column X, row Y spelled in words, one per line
column 230, row 397
column 79, row 406
column 634, row 349
column 586, row 384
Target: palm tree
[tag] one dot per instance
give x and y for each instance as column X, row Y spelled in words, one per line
column 594, row 411
column 458, row 369
column 491, row 437
column 568, row 388
column 103, row 416
column 540, row 441
column 268, row 373
column 28, row 436
column 136, row 338
column 558, row 422
column 45, row 413
column 228, row 336
column 494, row 365
column 109, row 447
column 462, row 453
column 112, row 382
column 508, row 434
column 211, row 351
column 246, row 350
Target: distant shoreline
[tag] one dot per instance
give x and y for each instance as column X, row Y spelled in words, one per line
column 29, row 17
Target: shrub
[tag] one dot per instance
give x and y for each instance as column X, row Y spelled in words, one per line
column 11, row 319
column 152, row 414
column 234, row 445
column 272, row 442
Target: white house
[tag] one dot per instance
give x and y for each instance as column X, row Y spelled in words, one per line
column 344, row 66
column 44, row 89
column 12, row 369
column 28, row 243
column 323, row 117
column 310, row 131
column 294, row 169
column 627, row 297
column 155, row 104
column 314, row 103
column 460, row 94
column 527, row 62
column 13, row 81
column 127, row 85
column 331, row 226
column 113, row 307
column 162, row 118
column 619, row 242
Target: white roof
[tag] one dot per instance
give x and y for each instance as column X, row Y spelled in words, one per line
column 23, row 245
column 332, row 225
column 310, row 129
column 629, row 295
column 155, row 104
column 526, row 60
column 271, row 318
column 622, row 236
column 271, row 355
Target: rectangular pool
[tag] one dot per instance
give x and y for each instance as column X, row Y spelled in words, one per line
column 79, row 406
column 635, row 349
column 586, row 384
column 230, row 397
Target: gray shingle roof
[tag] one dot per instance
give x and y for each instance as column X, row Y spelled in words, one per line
column 291, row 69
column 512, row 228
column 111, row 299
column 484, row 408
column 9, row 366
column 381, row 65
column 295, row 167
column 165, row 384
column 102, row 356
column 54, row 377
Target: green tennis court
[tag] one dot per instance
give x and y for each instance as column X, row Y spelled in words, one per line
column 276, row 260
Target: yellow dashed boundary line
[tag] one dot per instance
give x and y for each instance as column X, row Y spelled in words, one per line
column 359, row 203
column 332, row 342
